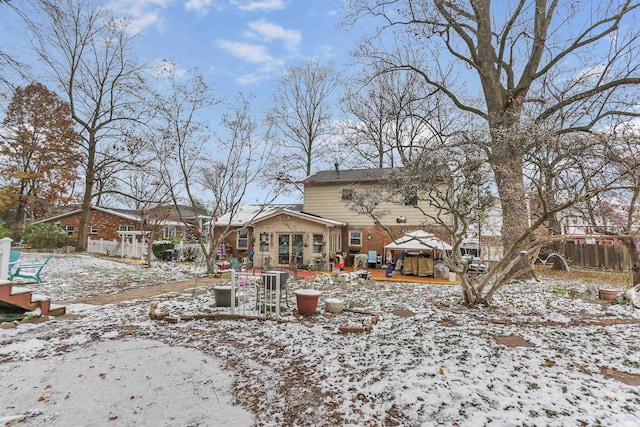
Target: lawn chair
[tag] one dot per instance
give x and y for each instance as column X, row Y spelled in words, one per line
column 33, row 270
column 14, row 256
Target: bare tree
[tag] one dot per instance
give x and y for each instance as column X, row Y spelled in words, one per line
column 191, row 163
column 88, row 53
column 616, row 212
column 302, row 115
column 393, row 119
column 521, row 54
column 245, row 156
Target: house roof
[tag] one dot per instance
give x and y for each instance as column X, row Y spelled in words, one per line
column 122, row 213
column 116, row 212
column 251, row 214
column 418, row 240
column 348, row 175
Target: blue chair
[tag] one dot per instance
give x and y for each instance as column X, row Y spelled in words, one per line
column 14, row 256
column 372, row 258
column 33, row 270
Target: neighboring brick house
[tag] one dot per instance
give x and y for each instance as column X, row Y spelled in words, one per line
column 175, row 217
column 103, row 223
column 324, row 221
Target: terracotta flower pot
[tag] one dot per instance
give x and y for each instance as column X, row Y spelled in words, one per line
column 609, row 294
column 307, row 300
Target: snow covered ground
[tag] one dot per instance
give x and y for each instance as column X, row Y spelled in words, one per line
column 428, row 360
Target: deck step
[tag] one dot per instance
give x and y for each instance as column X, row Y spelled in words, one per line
column 17, row 290
column 57, row 310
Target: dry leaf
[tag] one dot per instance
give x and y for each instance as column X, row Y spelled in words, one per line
column 132, row 397
column 441, row 370
column 41, row 399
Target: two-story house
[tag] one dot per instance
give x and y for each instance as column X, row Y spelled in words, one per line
column 324, row 224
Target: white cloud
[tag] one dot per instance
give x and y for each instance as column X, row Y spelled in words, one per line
column 142, row 13
column 253, row 53
column 260, row 5
column 270, row 31
column 200, row 6
column 249, row 79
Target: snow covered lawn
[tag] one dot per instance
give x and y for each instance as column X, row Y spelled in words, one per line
column 428, row 360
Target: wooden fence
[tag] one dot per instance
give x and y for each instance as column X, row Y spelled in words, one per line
column 597, row 255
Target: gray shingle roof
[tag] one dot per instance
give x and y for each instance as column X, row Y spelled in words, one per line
column 348, row 175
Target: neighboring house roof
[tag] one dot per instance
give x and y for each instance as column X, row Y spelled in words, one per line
column 348, row 175
column 116, row 212
column 250, row 214
column 122, row 213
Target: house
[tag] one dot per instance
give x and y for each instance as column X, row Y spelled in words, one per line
column 113, row 223
column 279, row 235
column 324, row 224
column 103, row 223
column 174, row 217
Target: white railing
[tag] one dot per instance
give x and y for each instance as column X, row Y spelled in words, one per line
column 5, row 251
column 259, row 296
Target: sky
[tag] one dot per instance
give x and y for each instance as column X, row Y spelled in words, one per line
column 239, row 45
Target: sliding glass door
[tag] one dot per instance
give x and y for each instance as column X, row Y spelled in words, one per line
column 290, row 246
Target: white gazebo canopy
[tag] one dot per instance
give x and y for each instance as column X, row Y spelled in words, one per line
column 418, row 240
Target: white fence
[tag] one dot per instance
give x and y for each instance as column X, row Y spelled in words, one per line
column 136, row 249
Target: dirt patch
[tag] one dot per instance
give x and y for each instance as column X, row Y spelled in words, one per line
column 146, row 292
column 623, row 377
column 512, row 341
column 403, row 313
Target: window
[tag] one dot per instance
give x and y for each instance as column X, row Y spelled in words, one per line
column 264, row 242
column 243, row 239
column 169, row 232
column 348, row 194
column 126, row 228
column 69, row 229
column 355, row 238
column 318, row 243
column 94, row 229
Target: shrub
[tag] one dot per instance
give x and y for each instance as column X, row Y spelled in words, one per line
column 45, row 236
column 164, row 250
column 4, row 231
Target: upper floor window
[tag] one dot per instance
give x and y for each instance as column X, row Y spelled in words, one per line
column 243, row 239
column 347, row 194
column 411, row 199
column 94, row 229
column 70, row 229
column 126, row 228
column 355, row 238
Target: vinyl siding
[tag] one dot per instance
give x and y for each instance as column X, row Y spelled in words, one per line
column 326, row 200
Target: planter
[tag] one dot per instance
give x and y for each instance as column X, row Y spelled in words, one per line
column 223, row 295
column 609, row 294
column 333, row 305
column 307, row 300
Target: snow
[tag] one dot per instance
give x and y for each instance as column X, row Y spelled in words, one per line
column 428, row 361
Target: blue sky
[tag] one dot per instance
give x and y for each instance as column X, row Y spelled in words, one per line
column 239, row 45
